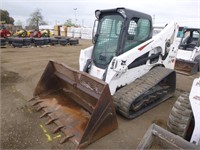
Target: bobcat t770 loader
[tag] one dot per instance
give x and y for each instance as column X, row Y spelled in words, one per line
column 126, row 70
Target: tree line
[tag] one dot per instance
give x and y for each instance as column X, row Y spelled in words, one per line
column 35, row 19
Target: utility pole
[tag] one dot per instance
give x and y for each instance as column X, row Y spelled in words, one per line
column 75, row 17
column 82, row 22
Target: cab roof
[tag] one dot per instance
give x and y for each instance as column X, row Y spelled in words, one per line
column 128, row 12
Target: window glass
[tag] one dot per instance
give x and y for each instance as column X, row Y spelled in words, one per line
column 138, row 32
column 195, row 34
column 132, row 27
column 107, row 40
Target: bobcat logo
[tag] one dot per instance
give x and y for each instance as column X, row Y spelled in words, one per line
column 123, row 62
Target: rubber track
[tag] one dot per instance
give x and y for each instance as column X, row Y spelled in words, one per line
column 124, row 97
column 180, row 116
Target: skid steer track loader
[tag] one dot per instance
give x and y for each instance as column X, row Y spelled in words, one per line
column 125, row 66
column 188, row 56
column 183, row 125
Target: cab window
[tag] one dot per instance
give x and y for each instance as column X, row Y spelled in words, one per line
column 138, row 32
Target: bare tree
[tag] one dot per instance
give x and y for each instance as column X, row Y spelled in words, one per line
column 36, row 19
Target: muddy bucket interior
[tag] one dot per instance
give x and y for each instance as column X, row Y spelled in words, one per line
column 159, row 138
column 80, row 105
column 186, row 67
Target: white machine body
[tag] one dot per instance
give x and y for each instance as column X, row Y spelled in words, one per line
column 195, row 104
column 188, row 55
column 117, row 72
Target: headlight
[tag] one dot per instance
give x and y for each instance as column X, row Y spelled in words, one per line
column 122, row 11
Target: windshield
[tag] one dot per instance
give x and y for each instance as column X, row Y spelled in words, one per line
column 106, row 44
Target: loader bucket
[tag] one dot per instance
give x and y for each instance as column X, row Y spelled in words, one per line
column 186, row 67
column 80, row 105
column 159, row 138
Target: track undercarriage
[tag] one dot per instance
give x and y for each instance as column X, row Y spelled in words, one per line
column 145, row 92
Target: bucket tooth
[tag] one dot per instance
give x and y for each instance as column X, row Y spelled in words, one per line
column 37, row 102
column 40, row 108
column 66, row 138
column 54, row 115
column 51, row 121
column 45, row 114
column 58, row 128
column 31, row 99
column 34, row 98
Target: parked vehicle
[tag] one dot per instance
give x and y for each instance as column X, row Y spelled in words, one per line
column 183, row 124
column 188, row 57
column 126, row 70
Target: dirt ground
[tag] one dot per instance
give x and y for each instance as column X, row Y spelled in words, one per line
column 21, row 127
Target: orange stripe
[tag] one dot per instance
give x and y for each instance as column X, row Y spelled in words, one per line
column 144, row 46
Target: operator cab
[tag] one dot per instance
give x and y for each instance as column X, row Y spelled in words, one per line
column 190, row 39
column 118, row 31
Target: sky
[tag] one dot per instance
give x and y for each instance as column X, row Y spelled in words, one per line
column 185, row 12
